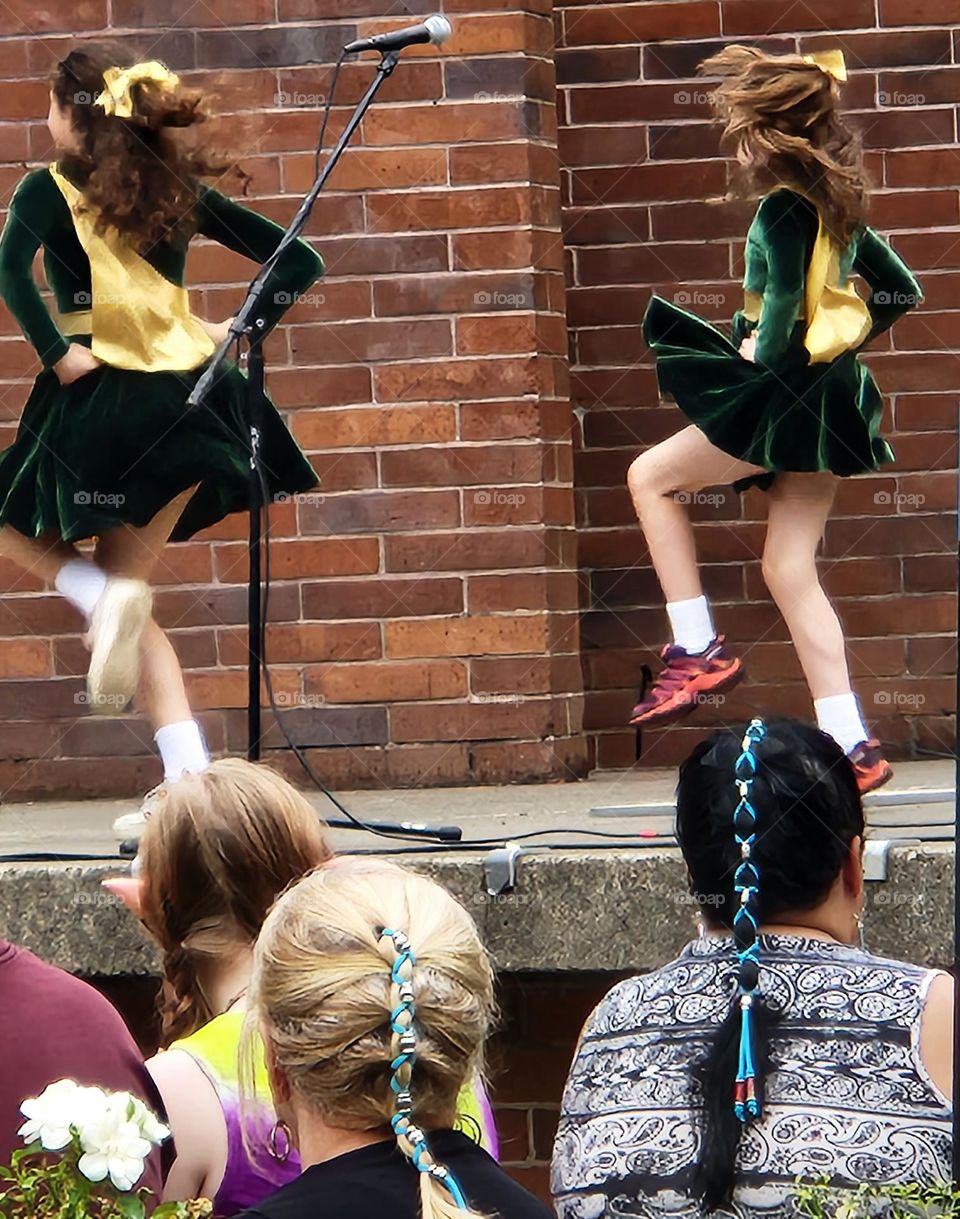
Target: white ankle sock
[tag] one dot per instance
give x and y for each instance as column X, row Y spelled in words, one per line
column 82, row 583
column 182, row 749
column 839, row 716
column 691, row 623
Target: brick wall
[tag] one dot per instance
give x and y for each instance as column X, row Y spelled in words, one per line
column 425, row 608
column 640, row 165
column 425, row 603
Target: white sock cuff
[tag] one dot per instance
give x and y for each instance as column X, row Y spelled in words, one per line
column 691, row 623
column 182, row 749
column 839, row 716
column 81, row 583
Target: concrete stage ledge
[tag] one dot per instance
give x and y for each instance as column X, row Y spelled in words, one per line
column 614, row 903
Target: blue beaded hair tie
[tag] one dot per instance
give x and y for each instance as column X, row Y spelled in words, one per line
column 747, row 885
column 402, row 1026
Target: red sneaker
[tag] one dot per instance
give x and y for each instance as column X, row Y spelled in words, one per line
column 684, row 681
column 870, row 766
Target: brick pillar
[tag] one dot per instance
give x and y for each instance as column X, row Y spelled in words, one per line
column 424, row 609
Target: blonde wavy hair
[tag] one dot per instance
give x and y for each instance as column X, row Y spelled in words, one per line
column 220, row 848
column 324, row 997
column 781, row 115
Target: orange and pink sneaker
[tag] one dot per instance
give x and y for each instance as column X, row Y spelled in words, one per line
column 870, row 766
column 685, row 680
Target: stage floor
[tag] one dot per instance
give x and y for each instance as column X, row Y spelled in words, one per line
column 922, row 791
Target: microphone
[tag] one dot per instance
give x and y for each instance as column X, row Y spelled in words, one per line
column 435, row 29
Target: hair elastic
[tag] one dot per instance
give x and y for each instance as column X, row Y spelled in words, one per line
column 745, row 927
column 402, row 1025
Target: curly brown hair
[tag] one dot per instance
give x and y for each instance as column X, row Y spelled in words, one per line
column 133, row 173
column 781, row 115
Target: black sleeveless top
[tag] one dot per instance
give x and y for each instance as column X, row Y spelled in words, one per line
column 848, row 1096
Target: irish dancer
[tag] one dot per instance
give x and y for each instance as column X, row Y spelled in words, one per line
column 787, row 404
column 107, row 448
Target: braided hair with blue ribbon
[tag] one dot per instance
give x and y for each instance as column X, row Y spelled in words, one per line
column 745, row 921
column 410, row 1137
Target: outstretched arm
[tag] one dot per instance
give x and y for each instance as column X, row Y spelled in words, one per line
column 248, row 233
column 894, row 288
column 27, row 224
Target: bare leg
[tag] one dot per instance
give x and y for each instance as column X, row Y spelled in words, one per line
column 685, row 462
column 134, row 553
column 44, row 555
column 798, row 511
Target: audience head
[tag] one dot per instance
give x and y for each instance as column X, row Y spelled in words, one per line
column 770, row 823
column 219, row 849
column 809, row 815
column 374, row 996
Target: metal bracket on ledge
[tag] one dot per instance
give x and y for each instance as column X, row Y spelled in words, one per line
column 500, row 869
column 875, row 853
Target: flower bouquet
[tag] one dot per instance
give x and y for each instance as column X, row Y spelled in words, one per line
column 101, row 1141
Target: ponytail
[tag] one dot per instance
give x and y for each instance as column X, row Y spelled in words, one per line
column 440, row 1194
column 731, row 1076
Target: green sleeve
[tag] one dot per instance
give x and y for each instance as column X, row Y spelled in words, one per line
column 784, row 232
column 247, row 232
column 894, row 288
column 28, row 223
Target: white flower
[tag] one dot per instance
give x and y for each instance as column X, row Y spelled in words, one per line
column 150, row 1125
column 60, row 1109
column 113, row 1143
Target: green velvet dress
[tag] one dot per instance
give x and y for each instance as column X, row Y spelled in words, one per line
column 784, row 412
column 115, row 446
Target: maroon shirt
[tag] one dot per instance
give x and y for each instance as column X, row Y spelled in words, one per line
column 53, row 1026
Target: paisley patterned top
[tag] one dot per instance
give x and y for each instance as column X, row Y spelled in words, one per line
column 848, row 1095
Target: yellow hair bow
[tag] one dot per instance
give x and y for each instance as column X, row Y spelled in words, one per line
column 117, row 98
column 831, row 62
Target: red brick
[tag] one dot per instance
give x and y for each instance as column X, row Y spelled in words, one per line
column 331, row 429
column 921, row 168
column 455, row 380
column 384, row 598
column 395, row 511
column 756, row 16
column 479, row 720
column 296, row 559
column 632, row 23
column 466, row 465
column 648, row 183
column 887, row 48
column 911, row 12
column 898, row 209
column 473, row 636
column 305, row 642
column 520, row 162
column 371, row 169
column 389, row 683
column 926, row 412
column 476, row 550
column 522, row 591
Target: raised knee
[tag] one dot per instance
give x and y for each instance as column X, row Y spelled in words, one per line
column 646, row 476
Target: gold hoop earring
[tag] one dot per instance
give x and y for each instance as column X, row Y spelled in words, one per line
column 276, row 1151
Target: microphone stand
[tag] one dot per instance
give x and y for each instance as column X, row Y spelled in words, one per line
column 250, row 324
